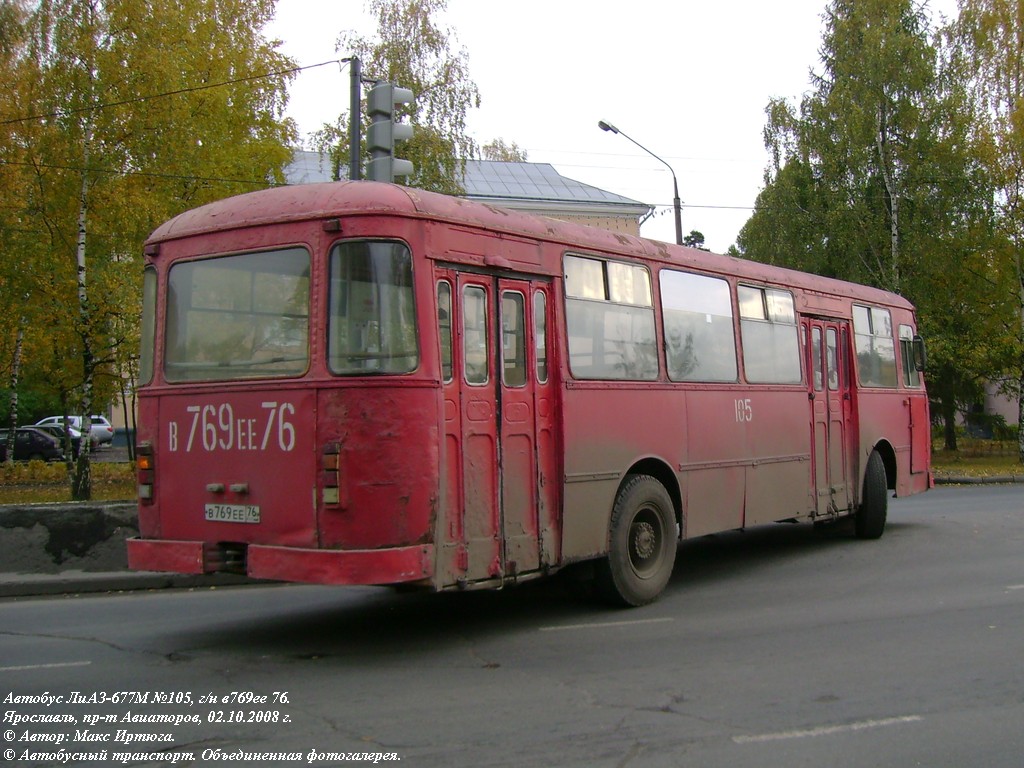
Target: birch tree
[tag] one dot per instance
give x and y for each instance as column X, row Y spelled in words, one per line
column 129, row 112
column 992, row 34
column 414, row 50
column 875, row 178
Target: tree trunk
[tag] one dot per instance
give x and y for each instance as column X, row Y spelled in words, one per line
column 948, row 408
column 882, row 141
column 12, row 411
column 1020, row 419
column 1020, row 375
column 81, row 485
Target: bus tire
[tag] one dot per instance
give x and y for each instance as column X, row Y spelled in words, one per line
column 869, row 521
column 641, row 543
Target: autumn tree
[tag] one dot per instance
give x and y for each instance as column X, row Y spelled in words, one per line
column 124, row 114
column 874, row 179
column 413, row 50
column 501, row 151
column 13, row 277
column 991, row 35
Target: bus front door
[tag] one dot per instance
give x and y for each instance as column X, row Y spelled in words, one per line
column 831, row 414
column 498, row 460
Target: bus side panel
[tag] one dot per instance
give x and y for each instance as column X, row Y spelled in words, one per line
column 920, row 433
column 748, row 458
column 779, row 475
column 713, row 500
column 606, row 432
column 388, row 467
column 714, row 471
column 885, row 421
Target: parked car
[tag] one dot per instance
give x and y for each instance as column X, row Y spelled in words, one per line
column 58, row 432
column 100, row 431
column 31, row 444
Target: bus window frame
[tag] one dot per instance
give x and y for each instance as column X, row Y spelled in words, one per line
column 666, row 289
column 413, row 289
column 203, row 258
column 630, row 312
column 769, row 317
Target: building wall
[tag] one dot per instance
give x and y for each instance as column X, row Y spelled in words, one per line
column 998, row 404
column 626, row 225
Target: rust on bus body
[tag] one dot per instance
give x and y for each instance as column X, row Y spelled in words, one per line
column 452, row 479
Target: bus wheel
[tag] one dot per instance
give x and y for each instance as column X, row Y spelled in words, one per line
column 869, row 522
column 642, row 543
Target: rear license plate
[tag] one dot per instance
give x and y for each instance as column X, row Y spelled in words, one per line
column 232, row 513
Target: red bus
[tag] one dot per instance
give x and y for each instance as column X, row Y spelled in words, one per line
column 360, row 383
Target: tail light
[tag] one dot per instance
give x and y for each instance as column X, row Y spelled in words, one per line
column 145, row 471
column 331, row 469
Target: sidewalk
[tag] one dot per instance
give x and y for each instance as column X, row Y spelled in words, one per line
column 79, row 547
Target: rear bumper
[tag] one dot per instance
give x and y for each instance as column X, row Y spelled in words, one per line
column 393, row 565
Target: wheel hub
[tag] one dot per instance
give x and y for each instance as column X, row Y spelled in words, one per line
column 644, row 540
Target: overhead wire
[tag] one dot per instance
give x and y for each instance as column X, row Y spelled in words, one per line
column 163, row 95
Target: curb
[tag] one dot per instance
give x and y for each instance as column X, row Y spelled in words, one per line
column 965, row 480
column 81, row 582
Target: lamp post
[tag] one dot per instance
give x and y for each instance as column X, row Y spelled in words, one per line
column 676, row 207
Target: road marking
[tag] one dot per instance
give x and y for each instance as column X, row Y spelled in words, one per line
column 603, row 624
column 47, row 666
column 1016, row 586
column 827, row 730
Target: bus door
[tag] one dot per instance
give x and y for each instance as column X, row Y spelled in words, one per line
column 827, row 350
column 499, row 455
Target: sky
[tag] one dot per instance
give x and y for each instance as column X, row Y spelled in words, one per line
column 687, row 79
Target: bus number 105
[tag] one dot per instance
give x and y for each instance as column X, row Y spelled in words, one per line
column 744, row 411
column 219, row 428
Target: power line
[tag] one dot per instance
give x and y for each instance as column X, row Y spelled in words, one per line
column 166, row 94
column 148, row 174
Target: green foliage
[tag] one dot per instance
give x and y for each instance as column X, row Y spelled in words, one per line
column 412, row 51
column 878, row 178
column 115, row 117
column 988, row 40
column 695, row 240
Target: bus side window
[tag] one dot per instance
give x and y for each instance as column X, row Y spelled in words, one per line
column 474, row 335
column 513, row 341
column 771, row 347
column 540, row 322
column 609, row 315
column 816, row 359
column 876, row 353
column 444, row 327
column 832, row 359
column 700, row 344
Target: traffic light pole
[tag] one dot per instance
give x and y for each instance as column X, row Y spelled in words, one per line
column 355, row 118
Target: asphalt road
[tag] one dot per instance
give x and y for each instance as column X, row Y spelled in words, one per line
column 782, row 646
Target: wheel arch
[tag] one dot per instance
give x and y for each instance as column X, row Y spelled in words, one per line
column 888, row 454
column 662, row 472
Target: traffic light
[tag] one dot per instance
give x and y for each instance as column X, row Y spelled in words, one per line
column 384, row 132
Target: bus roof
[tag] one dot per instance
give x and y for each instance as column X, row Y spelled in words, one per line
column 368, row 198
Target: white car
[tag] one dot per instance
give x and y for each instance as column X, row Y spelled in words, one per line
column 100, row 433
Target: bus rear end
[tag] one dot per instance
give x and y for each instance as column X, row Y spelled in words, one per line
column 284, row 429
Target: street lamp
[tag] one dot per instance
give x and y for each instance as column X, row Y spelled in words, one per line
column 676, row 207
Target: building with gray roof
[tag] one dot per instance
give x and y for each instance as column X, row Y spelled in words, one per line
column 522, row 186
